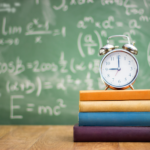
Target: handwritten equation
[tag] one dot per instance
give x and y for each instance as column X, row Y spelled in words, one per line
column 30, row 107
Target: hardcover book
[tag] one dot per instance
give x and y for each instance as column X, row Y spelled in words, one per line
column 114, row 119
column 111, row 134
column 115, row 106
column 94, row 95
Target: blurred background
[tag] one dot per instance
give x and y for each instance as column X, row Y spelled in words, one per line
column 49, row 52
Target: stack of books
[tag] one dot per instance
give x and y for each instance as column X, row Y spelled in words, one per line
column 113, row 116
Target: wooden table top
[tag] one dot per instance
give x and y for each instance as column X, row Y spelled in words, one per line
column 55, row 138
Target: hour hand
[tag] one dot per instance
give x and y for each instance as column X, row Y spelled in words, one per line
column 113, row 68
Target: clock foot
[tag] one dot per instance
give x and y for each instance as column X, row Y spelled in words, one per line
column 106, row 87
column 131, row 86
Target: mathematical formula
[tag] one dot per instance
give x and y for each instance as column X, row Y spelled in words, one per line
column 30, row 107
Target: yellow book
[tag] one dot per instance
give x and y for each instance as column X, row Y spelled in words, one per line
column 115, row 106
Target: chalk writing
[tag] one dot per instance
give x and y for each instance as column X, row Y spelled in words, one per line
column 10, row 29
column 12, row 106
column 9, row 41
column 63, row 6
column 87, row 21
column 51, row 111
column 36, row 28
column 56, row 110
column 144, row 18
column 89, row 43
column 6, row 7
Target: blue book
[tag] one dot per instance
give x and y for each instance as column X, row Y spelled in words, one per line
column 114, row 119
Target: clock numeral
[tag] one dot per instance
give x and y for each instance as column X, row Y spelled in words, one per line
column 131, row 68
column 113, row 79
column 107, row 63
column 119, row 81
column 108, row 75
column 112, row 58
column 125, row 79
column 129, row 62
column 124, row 58
column 106, row 69
column 130, row 74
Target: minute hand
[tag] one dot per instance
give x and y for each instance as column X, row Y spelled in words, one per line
column 113, row 68
column 118, row 62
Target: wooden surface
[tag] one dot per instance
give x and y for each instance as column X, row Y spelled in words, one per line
column 55, row 138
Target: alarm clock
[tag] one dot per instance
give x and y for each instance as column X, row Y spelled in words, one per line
column 119, row 67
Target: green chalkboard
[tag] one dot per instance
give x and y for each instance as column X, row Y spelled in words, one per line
column 49, row 52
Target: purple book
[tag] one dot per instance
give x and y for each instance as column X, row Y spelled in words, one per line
column 111, row 134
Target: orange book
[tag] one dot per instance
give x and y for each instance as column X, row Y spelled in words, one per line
column 96, row 95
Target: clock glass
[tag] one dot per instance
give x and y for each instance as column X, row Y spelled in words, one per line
column 119, row 68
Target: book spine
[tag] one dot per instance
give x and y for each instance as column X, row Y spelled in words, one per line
column 114, row 119
column 114, row 106
column 111, row 134
column 115, row 95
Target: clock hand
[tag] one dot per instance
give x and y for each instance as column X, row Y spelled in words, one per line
column 113, row 68
column 116, row 72
column 118, row 62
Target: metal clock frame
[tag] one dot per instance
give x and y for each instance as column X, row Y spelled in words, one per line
column 130, row 84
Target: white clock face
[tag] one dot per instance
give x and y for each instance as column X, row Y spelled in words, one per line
column 119, row 69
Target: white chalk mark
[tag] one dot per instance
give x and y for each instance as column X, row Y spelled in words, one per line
column 61, row 103
column 3, row 26
column 97, row 24
column 12, row 107
column 64, row 31
column 38, row 32
column 17, row 4
column 16, row 107
column 79, row 45
column 39, row 86
column 80, row 66
column 89, row 19
column 119, row 24
column 133, row 24
column 45, row 109
column 77, row 81
column 29, row 65
column 144, row 18
column 145, row 3
column 13, row 10
column 103, row 33
column 29, row 109
column 5, row 5
column 148, row 54
column 71, row 65
column 61, row 6
column 37, row 2
column 73, row 2
column 107, row 23
column 38, row 39
column 99, row 38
